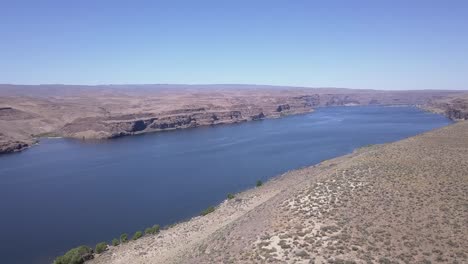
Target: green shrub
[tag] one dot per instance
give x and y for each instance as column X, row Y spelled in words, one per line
column 156, row 229
column 148, row 231
column 137, row 235
column 115, row 242
column 76, row 255
column 152, row 230
column 366, row 146
column 207, row 211
column 259, row 183
column 230, row 196
column 123, row 238
column 100, row 247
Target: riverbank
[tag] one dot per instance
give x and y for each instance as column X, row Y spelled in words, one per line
column 132, row 183
column 8, row 145
column 403, row 201
column 453, row 107
column 110, row 111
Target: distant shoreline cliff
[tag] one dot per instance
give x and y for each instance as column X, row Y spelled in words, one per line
column 105, row 112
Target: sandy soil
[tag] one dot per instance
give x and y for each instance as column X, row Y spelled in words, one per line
column 404, row 202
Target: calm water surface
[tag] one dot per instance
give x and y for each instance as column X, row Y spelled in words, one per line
column 64, row 193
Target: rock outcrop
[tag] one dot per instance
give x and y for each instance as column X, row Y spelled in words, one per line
column 8, row 145
column 117, row 126
column 453, row 108
column 100, row 112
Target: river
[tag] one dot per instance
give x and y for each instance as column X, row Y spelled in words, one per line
column 64, row 193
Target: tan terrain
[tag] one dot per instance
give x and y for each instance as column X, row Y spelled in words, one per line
column 403, row 202
column 454, row 106
column 108, row 111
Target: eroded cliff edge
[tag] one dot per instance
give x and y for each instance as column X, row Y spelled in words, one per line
column 454, row 107
column 102, row 112
column 9, row 145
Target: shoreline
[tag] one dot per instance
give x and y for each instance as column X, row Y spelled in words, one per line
column 228, row 210
column 103, row 113
column 16, row 146
column 173, row 244
column 37, row 138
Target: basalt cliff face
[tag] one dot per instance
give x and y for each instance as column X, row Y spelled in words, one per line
column 131, row 124
column 116, row 126
column 454, row 108
column 12, row 143
column 101, row 112
column 8, row 145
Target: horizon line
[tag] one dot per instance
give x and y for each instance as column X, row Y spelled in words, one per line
column 227, row 84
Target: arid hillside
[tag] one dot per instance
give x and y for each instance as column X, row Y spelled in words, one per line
column 403, row 202
column 454, row 106
column 100, row 112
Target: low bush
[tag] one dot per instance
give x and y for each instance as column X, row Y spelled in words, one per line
column 259, row 183
column 230, row 196
column 152, row 230
column 207, row 211
column 115, row 242
column 123, row 238
column 100, row 247
column 137, row 235
column 366, row 146
column 76, row 255
column 148, row 231
column 156, row 229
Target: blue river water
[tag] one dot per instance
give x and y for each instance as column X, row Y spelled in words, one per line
column 64, row 193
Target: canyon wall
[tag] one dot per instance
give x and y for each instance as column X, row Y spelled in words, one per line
column 102, row 112
column 455, row 108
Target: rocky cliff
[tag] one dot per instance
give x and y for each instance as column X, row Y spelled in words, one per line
column 454, row 108
column 8, row 145
column 123, row 125
column 101, row 112
column 130, row 124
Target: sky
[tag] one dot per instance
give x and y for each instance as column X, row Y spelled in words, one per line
column 395, row 44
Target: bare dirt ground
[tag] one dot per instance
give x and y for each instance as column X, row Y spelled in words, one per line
column 107, row 111
column 403, row 202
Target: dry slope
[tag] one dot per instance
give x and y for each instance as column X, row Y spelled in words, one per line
column 404, row 202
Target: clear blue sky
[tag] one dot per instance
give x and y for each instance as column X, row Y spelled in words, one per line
column 358, row 44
